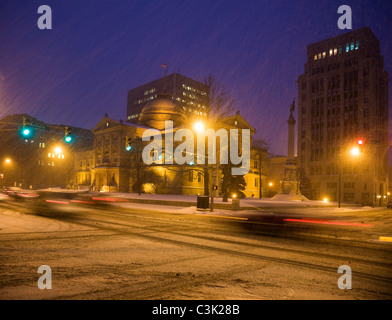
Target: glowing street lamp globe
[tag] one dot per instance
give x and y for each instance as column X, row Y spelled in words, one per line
column 355, row 151
column 199, row 126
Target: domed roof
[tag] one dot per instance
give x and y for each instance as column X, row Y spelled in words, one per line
column 156, row 112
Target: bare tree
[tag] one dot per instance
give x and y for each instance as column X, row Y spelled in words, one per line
column 221, row 101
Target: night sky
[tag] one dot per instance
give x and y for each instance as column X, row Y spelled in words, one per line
column 99, row 49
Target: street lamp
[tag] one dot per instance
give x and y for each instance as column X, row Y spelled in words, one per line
column 199, row 126
column 354, row 152
column 7, row 162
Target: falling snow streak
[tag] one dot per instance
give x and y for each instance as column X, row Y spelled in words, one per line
column 98, row 50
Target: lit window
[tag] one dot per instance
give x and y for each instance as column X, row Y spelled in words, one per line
column 330, row 52
column 324, row 54
column 340, row 50
column 319, row 55
column 49, row 155
column 335, row 51
column 352, row 46
column 347, row 47
column 356, row 45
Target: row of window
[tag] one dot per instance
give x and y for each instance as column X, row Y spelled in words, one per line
column 42, row 163
column 146, row 99
column 54, row 155
column 336, row 66
column 339, row 50
column 191, row 103
column 333, row 170
column 134, row 116
column 149, row 91
column 186, row 87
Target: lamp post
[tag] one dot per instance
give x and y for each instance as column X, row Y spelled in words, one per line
column 200, row 128
column 6, row 162
column 354, row 152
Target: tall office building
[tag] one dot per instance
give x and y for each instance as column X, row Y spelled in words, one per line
column 189, row 94
column 343, row 109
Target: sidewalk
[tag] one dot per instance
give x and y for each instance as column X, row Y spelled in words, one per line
column 245, row 204
column 186, row 204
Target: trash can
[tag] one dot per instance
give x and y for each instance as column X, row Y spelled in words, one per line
column 235, row 204
column 203, row 202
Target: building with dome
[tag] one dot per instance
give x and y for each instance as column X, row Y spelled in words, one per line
column 155, row 113
column 109, row 166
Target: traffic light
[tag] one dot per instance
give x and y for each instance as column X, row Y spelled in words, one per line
column 128, row 143
column 214, row 187
column 360, row 144
column 68, row 138
column 27, row 131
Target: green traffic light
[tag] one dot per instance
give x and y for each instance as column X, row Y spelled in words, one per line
column 26, row 133
column 129, row 148
column 68, row 139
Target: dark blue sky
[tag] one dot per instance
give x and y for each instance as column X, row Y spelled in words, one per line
column 99, row 49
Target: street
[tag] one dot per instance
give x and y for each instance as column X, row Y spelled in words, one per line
column 125, row 252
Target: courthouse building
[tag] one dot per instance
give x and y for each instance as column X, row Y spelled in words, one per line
column 108, row 166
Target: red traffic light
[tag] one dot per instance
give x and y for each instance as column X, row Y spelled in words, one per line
column 360, row 142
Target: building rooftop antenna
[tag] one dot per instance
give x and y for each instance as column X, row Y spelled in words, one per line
column 164, row 66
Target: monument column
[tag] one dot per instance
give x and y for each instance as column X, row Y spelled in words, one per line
column 290, row 183
column 290, row 146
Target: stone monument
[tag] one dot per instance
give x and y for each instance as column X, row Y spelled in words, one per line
column 289, row 184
